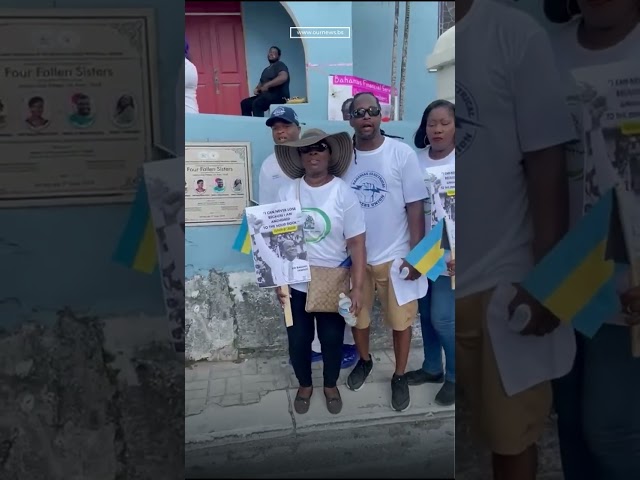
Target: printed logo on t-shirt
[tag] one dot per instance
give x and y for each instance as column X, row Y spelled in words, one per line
column 317, row 225
column 467, row 116
column 371, row 188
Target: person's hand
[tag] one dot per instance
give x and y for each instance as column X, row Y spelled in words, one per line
column 451, row 267
column 631, row 305
column 413, row 273
column 256, row 91
column 282, row 296
column 356, row 301
column 542, row 320
column 262, row 90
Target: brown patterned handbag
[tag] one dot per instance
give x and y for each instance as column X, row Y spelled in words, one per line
column 326, row 285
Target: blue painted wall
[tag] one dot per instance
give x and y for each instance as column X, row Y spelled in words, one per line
column 266, row 24
column 373, row 46
column 210, row 247
column 56, row 257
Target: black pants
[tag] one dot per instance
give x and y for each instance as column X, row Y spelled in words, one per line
column 330, row 334
column 259, row 104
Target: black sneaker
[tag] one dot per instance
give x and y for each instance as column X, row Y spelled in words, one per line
column 359, row 374
column 447, row 394
column 400, row 399
column 418, row 377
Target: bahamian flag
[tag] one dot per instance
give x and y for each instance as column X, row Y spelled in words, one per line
column 243, row 240
column 137, row 246
column 428, row 256
column 575, row 281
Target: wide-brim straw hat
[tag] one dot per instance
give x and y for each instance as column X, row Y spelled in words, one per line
column 341, row 152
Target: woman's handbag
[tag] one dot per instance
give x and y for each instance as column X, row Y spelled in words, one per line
column 326, row 285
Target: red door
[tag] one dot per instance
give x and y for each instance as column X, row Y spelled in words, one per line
column 222, row 72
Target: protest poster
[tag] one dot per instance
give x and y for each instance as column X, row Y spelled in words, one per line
column 278, row 248
column 166, row 205
column 344, row 87
column 610, row 97
column 441, row 185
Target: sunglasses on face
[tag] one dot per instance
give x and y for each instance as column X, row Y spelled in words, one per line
column 318, row 147
column 360, row 112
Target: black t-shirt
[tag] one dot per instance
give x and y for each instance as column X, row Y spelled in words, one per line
column 272, row 72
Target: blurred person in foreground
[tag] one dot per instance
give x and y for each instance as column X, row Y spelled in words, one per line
column 598, row 429
column 315, row 163
column 513, row 205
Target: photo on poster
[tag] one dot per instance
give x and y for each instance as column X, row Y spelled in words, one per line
column 611, row 117
column 441, row 185
column 278, row 245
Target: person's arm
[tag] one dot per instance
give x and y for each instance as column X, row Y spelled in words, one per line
column 415, row 216
column 548, row 194
column 414, row 191
column 263, row 185
column 281, row 77
column 354, row 233
column 267, row 255
column 544, row 126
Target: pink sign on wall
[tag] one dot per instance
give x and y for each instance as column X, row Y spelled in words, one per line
column 344, row 87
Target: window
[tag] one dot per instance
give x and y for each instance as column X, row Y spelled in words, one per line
column 446, row 16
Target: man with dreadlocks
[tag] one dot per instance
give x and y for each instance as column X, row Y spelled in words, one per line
column 386, row 176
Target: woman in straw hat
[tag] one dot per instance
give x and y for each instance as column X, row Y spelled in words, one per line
column 334, row 230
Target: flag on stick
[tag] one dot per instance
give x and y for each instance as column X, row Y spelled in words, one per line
column 243, row 240
column 575, row 281
column 428, row 256
column 137, row 246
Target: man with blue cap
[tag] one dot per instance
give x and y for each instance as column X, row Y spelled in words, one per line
column 285, row 127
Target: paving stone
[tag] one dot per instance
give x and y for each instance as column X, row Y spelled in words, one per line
column 195, row 394
column 234, row 385
column 217, row 387
column 229, row 400
column 194, row 407
column 250, row 397
column 197, row 385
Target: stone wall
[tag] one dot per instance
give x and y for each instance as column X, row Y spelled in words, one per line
column 91, row 399
column 228, row 315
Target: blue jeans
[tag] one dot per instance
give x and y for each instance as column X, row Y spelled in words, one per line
column 438, row 323
column 597, row 406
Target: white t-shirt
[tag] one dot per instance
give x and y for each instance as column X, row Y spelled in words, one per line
column 190, row 87
column 426, row 162
column 508, row 108
column 385, row 180
column 271, row 180
column 332, row 215
column 570, row 56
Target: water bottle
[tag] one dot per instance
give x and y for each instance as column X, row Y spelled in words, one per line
column 344, row 307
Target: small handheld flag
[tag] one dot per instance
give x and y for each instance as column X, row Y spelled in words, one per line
column 137, row 246
column 575, row 280
column 428, row 256
column 243, row 240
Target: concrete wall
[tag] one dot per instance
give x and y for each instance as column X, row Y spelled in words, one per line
column 266, row 24
column 226, row 313
column 373, row 46
column 80, row 240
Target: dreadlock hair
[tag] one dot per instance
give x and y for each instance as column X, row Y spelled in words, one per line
column 420, row 139
column 382, row 132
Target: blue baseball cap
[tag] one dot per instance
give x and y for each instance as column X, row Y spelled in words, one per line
column 285, row 114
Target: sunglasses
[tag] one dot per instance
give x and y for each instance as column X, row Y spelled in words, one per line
column 360, row 112
column 318, row 147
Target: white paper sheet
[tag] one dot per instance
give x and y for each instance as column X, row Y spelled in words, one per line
column 526, row 360
column 407, row 290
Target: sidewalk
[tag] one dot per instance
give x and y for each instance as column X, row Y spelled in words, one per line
column 230, row 402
